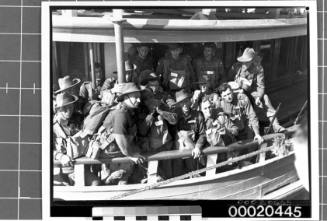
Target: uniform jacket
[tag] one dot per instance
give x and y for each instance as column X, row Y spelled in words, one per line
column 255, row 74
column 176, row 74
column 211, row 71
column 121, row 124
column 240, row 111
column 194, row 123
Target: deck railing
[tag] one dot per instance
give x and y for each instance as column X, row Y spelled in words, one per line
column 153, row 159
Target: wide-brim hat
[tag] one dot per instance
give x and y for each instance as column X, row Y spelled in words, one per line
column 126, row 88
column 247, row 56
column 66, row 83
column 148, row 75
column 181, row 96
column 65, row 99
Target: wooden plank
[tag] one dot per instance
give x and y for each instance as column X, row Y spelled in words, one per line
column 152, row 171
column 211, row 160
column 79, row 171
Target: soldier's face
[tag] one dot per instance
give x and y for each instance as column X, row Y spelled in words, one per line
column 206, row 109
column 227, row 95
column 154, row 85
column 67, row 111
column 143, row 51
column 175, row 53
column 208, row 52
column 133, row 100
column 246, row 65
column 204, row 88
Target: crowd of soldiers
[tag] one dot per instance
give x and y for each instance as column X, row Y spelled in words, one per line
column 183, row 103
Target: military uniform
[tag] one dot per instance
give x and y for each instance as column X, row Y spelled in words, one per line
column 120, row 124
column 176, row 74
column 242, row 114
column 254, row 75
column 88, row 93
column 141, row 65
column 252, row 81
column 211, row 71
column 190, row 135
column 220, row 130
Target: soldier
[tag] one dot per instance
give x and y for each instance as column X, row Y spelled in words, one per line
column 68, row 143
column 220, row 130
column 87, row 91
column 121, row 128
column 209, row 68
column 176, row 71
column 249, row 74
column 143, row 61
column 241, row 112
column 66, row 84
column 190, row 132
column 156, row 118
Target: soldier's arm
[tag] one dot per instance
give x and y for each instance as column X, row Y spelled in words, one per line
column 201, row 131
column 251, row 115
column 123, row 139
column 260, row 82
column 83, row 92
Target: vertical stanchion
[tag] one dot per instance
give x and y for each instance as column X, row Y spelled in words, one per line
column 118, row 21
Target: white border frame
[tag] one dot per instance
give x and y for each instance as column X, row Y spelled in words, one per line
column 315, row 207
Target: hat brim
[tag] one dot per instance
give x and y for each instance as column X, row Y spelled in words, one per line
column 67, row 104
column 187, row 97
column 244, row 60
column 129, row 92
column 76, row 82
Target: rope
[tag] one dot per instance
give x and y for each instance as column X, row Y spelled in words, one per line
column 192, row 173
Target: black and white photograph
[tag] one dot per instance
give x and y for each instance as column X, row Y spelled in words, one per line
column 181, row 102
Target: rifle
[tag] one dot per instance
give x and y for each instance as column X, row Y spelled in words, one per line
column 300, row 113
column 267, row 130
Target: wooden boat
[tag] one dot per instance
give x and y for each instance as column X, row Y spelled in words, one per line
column 267, row 178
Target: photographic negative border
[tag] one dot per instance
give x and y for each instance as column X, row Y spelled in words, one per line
column 46, row 86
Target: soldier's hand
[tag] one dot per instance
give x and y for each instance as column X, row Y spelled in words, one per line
column 65, row 160
column 196, row 152
column 138, row 159
column 149, row 119
column 258, row 102
column 258, row 138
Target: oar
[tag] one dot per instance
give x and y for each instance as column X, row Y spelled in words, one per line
column 191, row 174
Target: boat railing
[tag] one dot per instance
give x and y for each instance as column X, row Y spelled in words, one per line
column 211, row 154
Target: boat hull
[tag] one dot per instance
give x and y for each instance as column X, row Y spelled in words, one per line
column 255, row 181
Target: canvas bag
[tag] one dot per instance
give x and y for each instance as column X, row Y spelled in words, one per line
column 94, row 120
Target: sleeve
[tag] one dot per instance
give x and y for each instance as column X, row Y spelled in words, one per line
column 260, row 82
column 249, row 111
column 201, row 131
column 83, row 91
column 123, row 139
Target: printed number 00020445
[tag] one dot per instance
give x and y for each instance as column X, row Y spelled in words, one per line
column 265, row 211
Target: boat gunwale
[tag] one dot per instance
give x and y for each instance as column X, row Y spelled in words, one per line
column 173, row 184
